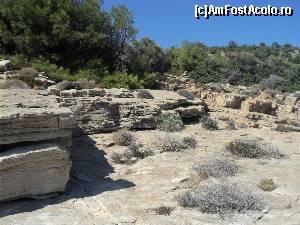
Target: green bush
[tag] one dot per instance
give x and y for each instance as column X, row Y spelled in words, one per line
column 190, row 142
column 30, row 81
column 51, row 70
column 169, row 121
column 209, row 123
column 121, row 80
column 267, row 185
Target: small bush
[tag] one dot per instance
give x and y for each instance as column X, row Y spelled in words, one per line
column 285, row 128
column 273, row 82
column 28, row 71
column 170, row 143
column 216, row 166
column 87, row 84
column 222, row 198
column 170, row 122
column 163, row 210
column 267, row 185
column 231, row 125
column 145, row 94
column 121, row 80
column 124, row 137
column 187, row 94
column 31, row 81
column 123, row 158
column 133, row 152
column 190, row 142
column 68, row 85
column 54, row 72
column 13, row 84
column 249, row 148
column 209, row 123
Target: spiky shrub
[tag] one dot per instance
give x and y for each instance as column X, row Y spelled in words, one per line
column 145, row 94
column 251, row 148
column 216, row 166
column 222, row 197
column 208, row 123
column 170, row 122
column 267, row 185
column 124, row 137
column 163, row 210
column 190, row 142
column 169, row 143
column 231, row 125
column 187, row 94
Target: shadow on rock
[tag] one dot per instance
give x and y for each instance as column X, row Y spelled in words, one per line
column 88, row 177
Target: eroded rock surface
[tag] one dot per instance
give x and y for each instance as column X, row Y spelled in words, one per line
column 35, row 140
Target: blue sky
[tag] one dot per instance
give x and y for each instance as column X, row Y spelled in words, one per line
column 169, row 22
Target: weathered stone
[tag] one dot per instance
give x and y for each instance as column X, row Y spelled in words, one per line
column 261, row 106
column 33, row 170
column 230, row 101
column 5, row 65
column 28, row 116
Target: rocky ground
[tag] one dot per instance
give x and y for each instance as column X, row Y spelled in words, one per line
column 101, row 191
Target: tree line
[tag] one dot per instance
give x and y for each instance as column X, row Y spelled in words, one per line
column 75, row 39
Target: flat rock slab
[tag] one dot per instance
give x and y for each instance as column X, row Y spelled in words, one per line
column 33, row 170
column 32, row 116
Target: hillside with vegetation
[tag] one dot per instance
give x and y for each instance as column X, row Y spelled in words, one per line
column 78, row 39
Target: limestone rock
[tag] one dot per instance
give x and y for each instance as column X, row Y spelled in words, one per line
column 31, row 116
column 5, row 65
column 230, row 101
column 261, row 106
column 26, row 171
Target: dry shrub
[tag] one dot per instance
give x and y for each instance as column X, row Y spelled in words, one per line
column 124, row 137
column 216, row 166
column 144, row 94
column 208, row 123
column 87, row 84
column 267, row 185
column 169, row 143
column 163, row 210
column 28, row 71
column 222, row 197
column 187, row 94
column 251, row 148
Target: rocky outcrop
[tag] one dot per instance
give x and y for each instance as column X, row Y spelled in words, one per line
column 33, row 170
column 230, row 101
column 261, row 106
column 35, row 141
column 97, row 110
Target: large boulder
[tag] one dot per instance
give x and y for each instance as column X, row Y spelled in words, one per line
column 261, row 106
column 33, row 170
column 35, row 141
column 5, row 65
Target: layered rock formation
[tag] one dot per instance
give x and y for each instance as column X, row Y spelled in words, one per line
column 35, row 140
column 99, row 110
